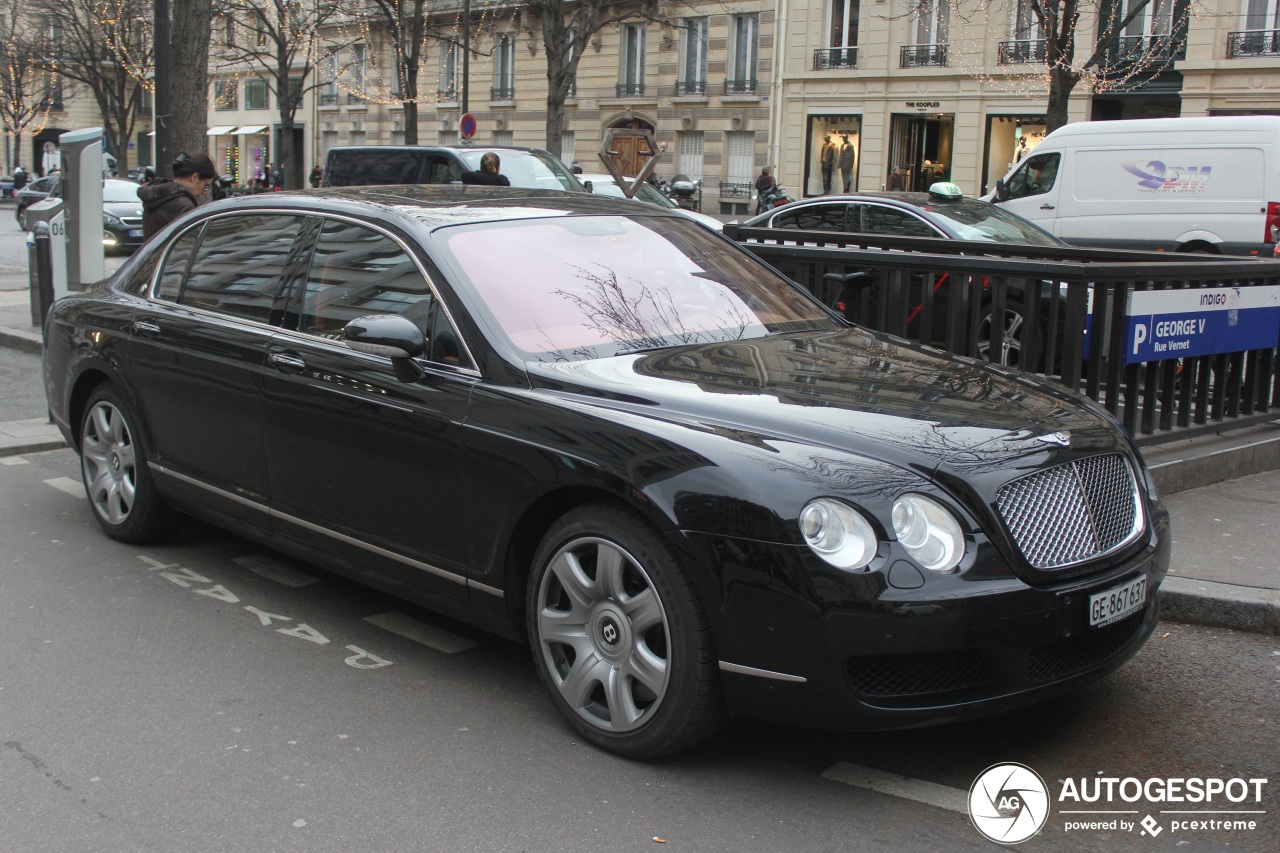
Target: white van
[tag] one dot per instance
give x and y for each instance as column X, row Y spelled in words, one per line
column 1173, row 184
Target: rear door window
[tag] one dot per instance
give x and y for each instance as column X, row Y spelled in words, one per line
column 894, row 222
column 239, row 265
column 815, row 217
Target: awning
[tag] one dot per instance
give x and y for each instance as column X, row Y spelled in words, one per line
column 250, row 128
column 221, row 130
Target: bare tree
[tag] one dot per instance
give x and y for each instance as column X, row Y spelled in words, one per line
column 104, row 45
column 189, row 89
column 1109, row 44
column 27, row 87
column 283, row 40
column 406, row 26
column 568, row 27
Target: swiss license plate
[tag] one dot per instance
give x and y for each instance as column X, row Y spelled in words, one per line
column 1117, row 602
column 135, row 232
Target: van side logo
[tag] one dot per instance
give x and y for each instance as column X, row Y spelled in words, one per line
column 1157, row 176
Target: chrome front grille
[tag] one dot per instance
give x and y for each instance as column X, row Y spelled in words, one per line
column 1074, row 512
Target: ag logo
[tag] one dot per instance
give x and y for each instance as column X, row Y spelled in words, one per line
column 1008, row 803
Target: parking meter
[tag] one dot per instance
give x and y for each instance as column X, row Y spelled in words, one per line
column 81, row 189
column 48, row 223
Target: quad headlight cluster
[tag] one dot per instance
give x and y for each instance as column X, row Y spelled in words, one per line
column 844, row 538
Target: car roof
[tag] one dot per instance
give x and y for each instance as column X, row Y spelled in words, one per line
column 458, row 149
column 439, row 205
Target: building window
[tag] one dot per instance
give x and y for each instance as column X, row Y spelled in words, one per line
column 1261, row 36
column 566, row 147
column 255, row 94
column 631, row 73
column 359, row 57
column 329, row 75
column 356, row 137
column 1157, row 32
column 328, row 139
column 692, row 79
column 397, row 137
column 842, row 38
column 225, row 95
column 744, row 38
column 448, row 91
column 229, row 31
column 740, row 172
column 689, row 154
column 504, row 68
column 295, row 93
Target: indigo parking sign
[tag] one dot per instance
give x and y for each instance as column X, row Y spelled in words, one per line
column 1167, row 324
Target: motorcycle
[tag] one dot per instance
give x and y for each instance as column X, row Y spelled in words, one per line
column 684, row 191
column 774, row 196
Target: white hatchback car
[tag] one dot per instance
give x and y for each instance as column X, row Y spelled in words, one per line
column 603, row 184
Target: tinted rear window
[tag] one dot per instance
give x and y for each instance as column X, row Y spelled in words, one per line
column 384, row 166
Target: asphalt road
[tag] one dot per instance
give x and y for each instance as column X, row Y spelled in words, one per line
column 205, row 694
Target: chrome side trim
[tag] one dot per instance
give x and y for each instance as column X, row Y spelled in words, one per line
column 491, row 590
column 382, row 552
column 191, row 481
column 333, row 534
column 761, row 673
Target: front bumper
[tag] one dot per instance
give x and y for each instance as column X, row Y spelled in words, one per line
column 872, row 656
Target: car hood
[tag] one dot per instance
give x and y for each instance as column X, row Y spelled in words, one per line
column 853, row 391
column 123, row 208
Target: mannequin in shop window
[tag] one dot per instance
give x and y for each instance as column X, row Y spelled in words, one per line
column 846, row 163
column 828, row 160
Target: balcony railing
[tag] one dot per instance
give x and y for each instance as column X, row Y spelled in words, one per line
column 1163, row 48
column 502, row 93
column 353, row 98
column 734, row 189
column 691, row 87
column 1253, row 43
column 447, row 96
column 921, row 55
column 740, row 87
column 328, row 99
column 1022, row 51
column 835, row 57
column 630, row 90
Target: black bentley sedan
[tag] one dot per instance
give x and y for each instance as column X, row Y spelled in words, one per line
column 693, row 489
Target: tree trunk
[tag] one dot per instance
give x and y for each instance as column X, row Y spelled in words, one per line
column 411, row 119
column 189, row 92
column 1061, row 82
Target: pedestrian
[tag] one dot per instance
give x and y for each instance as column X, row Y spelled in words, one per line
column 275, row 177
column 19, row 177
column 895, row 179
column 764, row 183
column 317, row 174
column 488, row 173
column 164, row 200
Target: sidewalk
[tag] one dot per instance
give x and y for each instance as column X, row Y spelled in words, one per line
column 1223, row 492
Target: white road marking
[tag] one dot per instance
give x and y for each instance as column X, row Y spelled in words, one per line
column 75, row 488
column 930, row 793
column 273, row 571
column 12, row 460
column 420, row 632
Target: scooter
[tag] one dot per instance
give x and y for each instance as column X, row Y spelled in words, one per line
column 683, row 190
column 773, row 197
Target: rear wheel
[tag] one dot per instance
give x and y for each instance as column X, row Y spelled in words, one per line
column 113, row 464
column 619, row 636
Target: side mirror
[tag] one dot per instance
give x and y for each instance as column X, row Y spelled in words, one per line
column 389, row 335
column 1002, row 191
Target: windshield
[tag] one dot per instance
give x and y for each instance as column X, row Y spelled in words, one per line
column 977, row 220
column 532, row 169
column 119, row 191
column 605, row 185
column 594, row 286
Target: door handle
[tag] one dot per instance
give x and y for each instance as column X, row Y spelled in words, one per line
column 1046, row 207
column 286, row 363
column 144, row 328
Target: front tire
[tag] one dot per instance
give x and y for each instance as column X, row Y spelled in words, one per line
column 619, row 636
column 113, row 466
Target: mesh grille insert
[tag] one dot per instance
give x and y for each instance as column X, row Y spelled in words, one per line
column 912, row 675
column 1074, row 512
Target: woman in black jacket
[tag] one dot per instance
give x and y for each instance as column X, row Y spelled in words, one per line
column 164, row 200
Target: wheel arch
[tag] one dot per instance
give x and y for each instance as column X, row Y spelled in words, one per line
column 85, row 384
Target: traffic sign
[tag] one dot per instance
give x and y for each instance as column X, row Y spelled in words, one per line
column 467, row 125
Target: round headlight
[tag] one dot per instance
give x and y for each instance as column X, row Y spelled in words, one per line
column 929, row 532
column 838, row 533
column 111, row 220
